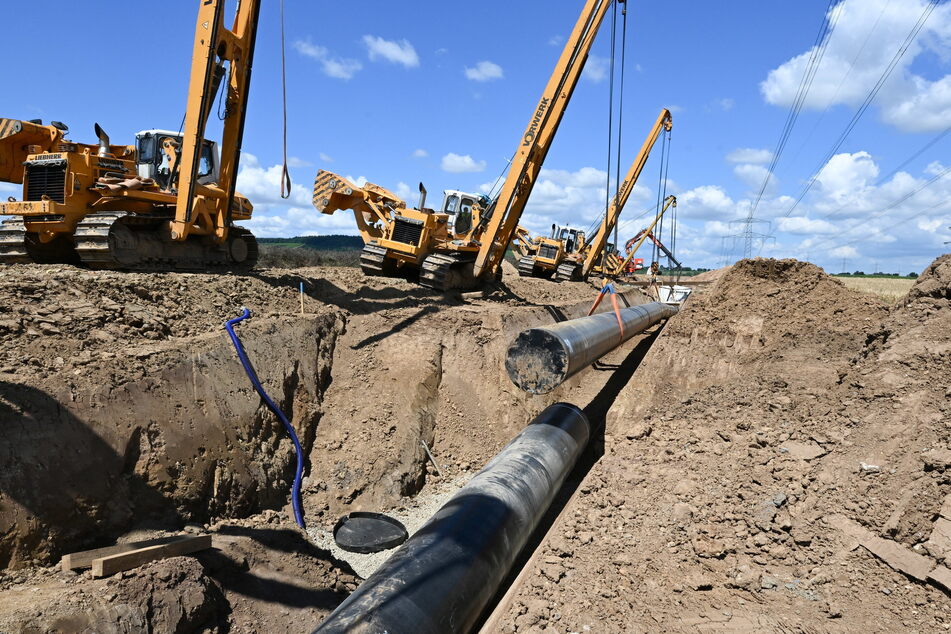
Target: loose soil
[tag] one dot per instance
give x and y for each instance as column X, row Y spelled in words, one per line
column 776, row 401
column 773, row 403
column 126, row 413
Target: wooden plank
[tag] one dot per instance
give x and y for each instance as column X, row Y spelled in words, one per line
column 109, row 565
column 83, row 559
column 897, row 556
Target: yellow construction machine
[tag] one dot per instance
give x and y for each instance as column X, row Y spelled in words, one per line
column 164, row 203
column 620, row 267
column 563, row 241
column 463, row 243
column 566, row 253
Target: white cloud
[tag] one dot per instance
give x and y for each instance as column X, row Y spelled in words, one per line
column 800, row 225
column 404, row 191
column 326, row 158
column 707, row 202
column 844, row 252
column 725, row 103
column 398, row 52
column 484, row 71
column 749, row 155
column 420, row 153
column 262, row 185
column 458, row 164
column 293, row 161
column 754, row 175
column 846, row 174
column 596, row 69
column 864, row 42
column 337, row 67
column 556, row 40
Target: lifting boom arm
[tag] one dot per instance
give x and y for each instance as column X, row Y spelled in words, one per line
column 535, row 143
column 671, row 200
column 214, row 45
column 596, row 246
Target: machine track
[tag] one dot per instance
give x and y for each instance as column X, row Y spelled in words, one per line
column 373, row 261
column 13, row 242
column 526, row 266
column 445, row 271
column 568, row 272
column 17, row 245
column 122, row 241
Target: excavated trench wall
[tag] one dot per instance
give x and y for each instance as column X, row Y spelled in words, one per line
column 441, row 381
column 188, row 442
column 158, row 431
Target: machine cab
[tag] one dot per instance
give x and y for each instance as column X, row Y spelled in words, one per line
column 570, row 237
column 153, row 162
column 458, row 206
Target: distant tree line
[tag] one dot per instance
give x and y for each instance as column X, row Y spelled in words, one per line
column 322, row 243
column 864, row 274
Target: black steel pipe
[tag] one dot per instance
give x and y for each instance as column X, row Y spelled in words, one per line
column 443, row 577
column 540, row 359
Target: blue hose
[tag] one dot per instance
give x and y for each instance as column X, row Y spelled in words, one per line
column 256, row 382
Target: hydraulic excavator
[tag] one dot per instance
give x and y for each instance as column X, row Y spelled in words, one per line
column 635, row 243
column 165, row 203
column 462, row 244
column 574, row 264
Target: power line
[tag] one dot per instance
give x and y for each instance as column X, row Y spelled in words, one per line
column 881, row 212
column 818, row 51
column 842, row 81
column 925, row 14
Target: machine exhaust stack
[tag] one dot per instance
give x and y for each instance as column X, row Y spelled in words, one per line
column 540, row 359
column 444, row 576
column 103, row 140
column 422, row 196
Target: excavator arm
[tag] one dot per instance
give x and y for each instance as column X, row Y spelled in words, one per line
column 670, row 201
column 370, row 204
column 596, row 246
column 523, row 242
column 536, row 141
column 214, row 45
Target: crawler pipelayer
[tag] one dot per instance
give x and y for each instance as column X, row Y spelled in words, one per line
column 464, row 242
column 165, row 202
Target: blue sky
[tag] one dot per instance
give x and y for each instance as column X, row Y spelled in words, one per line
column 440, row 92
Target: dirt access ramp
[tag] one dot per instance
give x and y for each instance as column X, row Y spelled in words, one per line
column 780, row 426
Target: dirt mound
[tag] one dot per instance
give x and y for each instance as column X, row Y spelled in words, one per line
column 710, row 276
column 773, row 404
column 934, row 282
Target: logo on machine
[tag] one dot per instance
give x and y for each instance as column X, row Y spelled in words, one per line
column 112, row 164
column 536, row 121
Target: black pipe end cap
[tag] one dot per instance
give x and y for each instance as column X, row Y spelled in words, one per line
column 365, row 532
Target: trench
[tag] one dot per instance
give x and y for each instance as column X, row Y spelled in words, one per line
column 178, row 439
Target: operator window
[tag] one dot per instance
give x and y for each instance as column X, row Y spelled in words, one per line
column 206, row 162
column 146, row 149
column 451, row 204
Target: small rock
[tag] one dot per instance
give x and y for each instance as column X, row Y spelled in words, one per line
column 768, row 582
column 639, row 430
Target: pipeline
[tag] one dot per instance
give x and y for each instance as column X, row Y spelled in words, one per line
column 540, row 359
column 444, row 576
column 256, row 382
